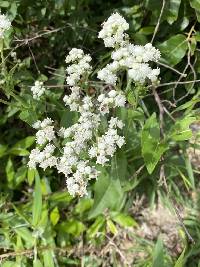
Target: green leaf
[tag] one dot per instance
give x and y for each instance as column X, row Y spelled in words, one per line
column 19, row 152
column 174, row 49
column 190, row 171
column 131, row 98
column 20, row 175
column 25, row 143
column 3, row 149
column 26, row 235
column 108, row 195
column 152, row 147
column 19, row 148
column 123, row 219
column 37, row 263
column 31, row 176
column 158, row 254
column 180, row 261
column 48, row 258
column 196, row 5
column 147, row 30
column 45, row 186
column 44, row 219
column 186, row 181
column 73, row 227
column 68, row 118
column 28, row 116
column 13, row 10
column 37, row 201
column 55, row 216
column 112, row 228
column 189, row 105
column 4, row 4
column 119, row 166
column 181, row 131
column 10, row 172
column 10, row 264
column 83, row 205
column 60, row 197
column 96, row 226
column 172, row 10
column 197, row 36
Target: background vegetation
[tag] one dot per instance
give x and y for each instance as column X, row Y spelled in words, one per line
column 144, row 210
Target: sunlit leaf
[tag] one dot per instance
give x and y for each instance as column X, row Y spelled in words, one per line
column 180, row 261
column 108, row 195
column 55, row 216
column 158, row 254
column 174, row 49
column 37, row 201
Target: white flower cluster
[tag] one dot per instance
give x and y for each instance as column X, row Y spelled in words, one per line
column 77, row 184
column 126, row 56
column 74, row 160
column 5, row 24
column 38, row 90
column 72, row 163
column 81, row 146
column 46, row 131
column 73, row 99
column 79, row 67
column 44, row 158
column 107, row 143
column 77, row 170
column 112, row 100
column 113, row 30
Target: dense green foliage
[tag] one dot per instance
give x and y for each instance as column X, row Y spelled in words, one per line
column 40, row 223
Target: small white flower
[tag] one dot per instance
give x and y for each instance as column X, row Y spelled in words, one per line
column 46, row 122
column 37, row 125
column 120, row 141
column 113, row 30
column 107, row 143
column 44, row 158
column 112, row 99
column 112, row 93
column 92, row 152
column 38, row 90
column 101, row 98
column 101, row 159
column 79, row 66
column 46, row 131
column 5, row 24
column 120, row 100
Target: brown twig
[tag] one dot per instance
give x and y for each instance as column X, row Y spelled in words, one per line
column 171, row 68
column 172, row 83
column 35, row 63
column 159, row 19
column 26, row 40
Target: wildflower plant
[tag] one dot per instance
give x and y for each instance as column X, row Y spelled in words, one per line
column 85, row 145
column 87, row 141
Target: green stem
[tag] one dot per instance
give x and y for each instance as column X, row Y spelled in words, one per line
column 4, row 102
column 129, row 81
column 144, row 108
